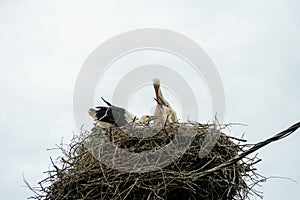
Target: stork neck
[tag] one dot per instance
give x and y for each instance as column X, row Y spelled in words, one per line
column 160, row 95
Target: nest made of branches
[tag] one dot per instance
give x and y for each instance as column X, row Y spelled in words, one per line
column 212, row 165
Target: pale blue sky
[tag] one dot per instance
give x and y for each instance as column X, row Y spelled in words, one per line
column 254, row 45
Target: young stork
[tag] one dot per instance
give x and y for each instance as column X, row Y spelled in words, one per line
column 163, row 112
column 113, row 116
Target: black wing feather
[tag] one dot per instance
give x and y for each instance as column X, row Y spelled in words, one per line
column 109, row 104
column 113, row 115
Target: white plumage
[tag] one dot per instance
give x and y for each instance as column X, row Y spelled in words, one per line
column 163, row 111
column 113, row 116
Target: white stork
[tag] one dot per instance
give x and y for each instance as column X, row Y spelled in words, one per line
column 163, row 112
column 113, row 116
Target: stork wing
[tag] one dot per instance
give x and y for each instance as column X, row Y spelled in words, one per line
column 112, row 115
column 109, row 104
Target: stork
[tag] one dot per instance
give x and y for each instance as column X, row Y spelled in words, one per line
column 113, row 116
column 163, row 111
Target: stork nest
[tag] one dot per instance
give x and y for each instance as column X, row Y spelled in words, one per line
column 200, row 162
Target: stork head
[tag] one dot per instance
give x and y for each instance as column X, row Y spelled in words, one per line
column 156, row 85
column 145, row 119
column 156, row 82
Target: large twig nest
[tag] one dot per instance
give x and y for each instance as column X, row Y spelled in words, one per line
column 196, row 174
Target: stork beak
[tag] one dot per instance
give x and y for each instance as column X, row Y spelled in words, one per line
column 160, row 102
column 156, row 90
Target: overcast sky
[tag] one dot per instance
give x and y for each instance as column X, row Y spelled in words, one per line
column 254, row 45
